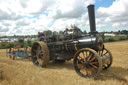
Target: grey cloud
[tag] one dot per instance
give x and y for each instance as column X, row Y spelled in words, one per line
column 5, row 23
column 5, row 16
column 99, row 14
column 119, row 19
column 21, row 23
column 19, row 31
column 76, row 13
column 78, row 9
column 46, row 6
column 23, row 3
column 3, row 29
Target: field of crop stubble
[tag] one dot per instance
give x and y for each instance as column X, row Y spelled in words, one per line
column 23, row 72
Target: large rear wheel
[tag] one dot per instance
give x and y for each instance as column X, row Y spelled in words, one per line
column 40, row 54
column 87, row 63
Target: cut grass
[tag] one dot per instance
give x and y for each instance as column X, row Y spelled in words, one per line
column 23, row 72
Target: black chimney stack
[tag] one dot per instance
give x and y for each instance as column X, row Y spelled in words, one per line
column 91, row 13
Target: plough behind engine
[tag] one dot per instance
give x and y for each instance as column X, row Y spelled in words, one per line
column 17, row 51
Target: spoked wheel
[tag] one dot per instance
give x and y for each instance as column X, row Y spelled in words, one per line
column 106, row 53
column 87, row 63
column 40, row 54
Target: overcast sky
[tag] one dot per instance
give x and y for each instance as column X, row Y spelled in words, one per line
column 26, row 17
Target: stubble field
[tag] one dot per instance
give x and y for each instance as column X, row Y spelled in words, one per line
column 23, row 72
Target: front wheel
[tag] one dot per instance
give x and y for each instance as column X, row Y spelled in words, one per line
column 87, row 63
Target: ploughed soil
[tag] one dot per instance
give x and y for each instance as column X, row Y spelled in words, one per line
column 23, row 72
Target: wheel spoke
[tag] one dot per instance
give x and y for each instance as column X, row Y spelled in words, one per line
column 36, row 61
column 89, row 56
column 40, row 61
column 99, row 52
column 84, row 56
column 106, row 52
column 94, row 63
column 93, row 66
column 102, row 52
column 92, row 69
column 80, row 66
column 93, row 58
column 80, row 59
column 84, row 71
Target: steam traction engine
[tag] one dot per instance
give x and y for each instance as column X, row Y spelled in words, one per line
column 88, row 52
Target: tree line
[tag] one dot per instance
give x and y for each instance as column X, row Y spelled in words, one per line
column 23, row 43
